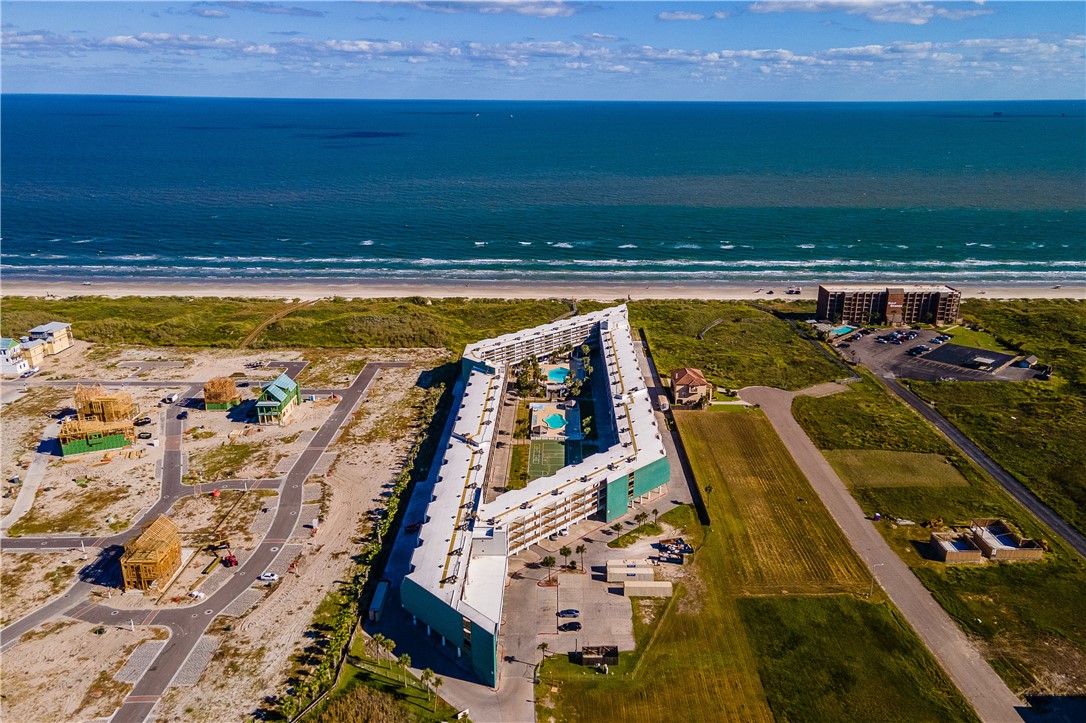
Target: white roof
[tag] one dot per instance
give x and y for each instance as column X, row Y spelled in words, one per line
column 462, row 556
column 847, row 288
column 33, row 343
column 51, row 328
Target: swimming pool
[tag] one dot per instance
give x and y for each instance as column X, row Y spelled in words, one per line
column 555, row 421
column 844, row 329
column 558, row 375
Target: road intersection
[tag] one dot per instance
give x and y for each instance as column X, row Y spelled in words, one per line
column 186, row 625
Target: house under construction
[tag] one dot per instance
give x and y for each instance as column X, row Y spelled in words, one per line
column 103, row 421
column 152, row 558
column 221, row 393
column 95, row 404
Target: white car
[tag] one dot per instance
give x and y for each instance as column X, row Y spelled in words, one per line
column 268, row 577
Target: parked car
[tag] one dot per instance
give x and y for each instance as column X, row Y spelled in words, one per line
column 142, row 421
column 880, row 340
column 268, row 577
column 567, row 627
column 183, row 415
column 570, row 613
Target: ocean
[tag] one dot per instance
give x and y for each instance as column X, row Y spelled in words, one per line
column 144, row 188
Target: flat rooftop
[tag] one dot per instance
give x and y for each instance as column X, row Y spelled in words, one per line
column 850, row 288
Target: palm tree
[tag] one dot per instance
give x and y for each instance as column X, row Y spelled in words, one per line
column 427, row 676
column 378, row 641
column 640, row 518
column 548, row 562
column 543, row 648
column 438, row 682
column 655, row 514
column 708, row 489
column 617, row 527
column 581, row 550
column 389, row 645
column 565, row 552
column 404, row 661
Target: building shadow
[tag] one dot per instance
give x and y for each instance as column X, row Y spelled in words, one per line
column 1054, row 709
column 106, row 570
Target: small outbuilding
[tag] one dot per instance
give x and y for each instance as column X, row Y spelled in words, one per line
column 999, row 541
column 599, row 655
column 954, row 546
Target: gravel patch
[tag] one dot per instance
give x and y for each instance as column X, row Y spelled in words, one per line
column 312, row 493
column 306, row 515
column 287, row 555
column 198, row 659
column 139, row 661
column 324, row 463
column 285, row 464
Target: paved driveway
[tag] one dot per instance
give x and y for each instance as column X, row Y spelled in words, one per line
column 985, row 691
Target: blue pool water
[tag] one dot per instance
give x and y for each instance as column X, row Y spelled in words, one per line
column 559, row 375
column 844, row 329
column 555, row 421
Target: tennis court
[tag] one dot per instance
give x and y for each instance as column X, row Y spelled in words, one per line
column 545, row 457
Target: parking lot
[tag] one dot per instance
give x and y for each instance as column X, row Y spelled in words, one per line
column 894, row 359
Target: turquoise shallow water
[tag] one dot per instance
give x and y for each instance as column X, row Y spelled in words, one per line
column 146, row 188
column 558, row 376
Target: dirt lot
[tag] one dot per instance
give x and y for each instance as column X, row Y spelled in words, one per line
column 21, row 425
column 30, row 580
column 63, row 671
column 254, row 659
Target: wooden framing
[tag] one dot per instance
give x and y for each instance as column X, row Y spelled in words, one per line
column 95, row 404
column 152, row 558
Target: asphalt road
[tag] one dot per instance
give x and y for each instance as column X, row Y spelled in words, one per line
column 986, row 692
column 187, row 624
column 1016, row 489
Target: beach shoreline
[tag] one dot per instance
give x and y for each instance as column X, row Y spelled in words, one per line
column 308, row 290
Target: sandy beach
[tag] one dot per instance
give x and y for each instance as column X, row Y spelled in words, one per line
column 601, row 291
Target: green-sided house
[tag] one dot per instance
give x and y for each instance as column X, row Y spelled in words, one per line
column 278, row 398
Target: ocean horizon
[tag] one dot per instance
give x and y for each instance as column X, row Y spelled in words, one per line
column 149, row 188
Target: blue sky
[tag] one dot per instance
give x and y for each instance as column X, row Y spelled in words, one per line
column 550, row 49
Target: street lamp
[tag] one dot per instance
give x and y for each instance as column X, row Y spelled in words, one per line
column 871, row 590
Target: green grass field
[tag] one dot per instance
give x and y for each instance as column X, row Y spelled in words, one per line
column 518, row 467
column 1031, row 645
column 813, row 672
column 879, row 468
column 1035, row 430
column 696, row 660
column 867, row 416
column 750, row 347
column 545, row 457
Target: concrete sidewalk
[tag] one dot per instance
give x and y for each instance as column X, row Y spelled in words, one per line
column 33, row 477
column 986, row 692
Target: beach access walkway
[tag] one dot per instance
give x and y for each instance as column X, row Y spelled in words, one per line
column 990, row 697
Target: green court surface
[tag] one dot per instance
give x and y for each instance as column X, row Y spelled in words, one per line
column 545, row 457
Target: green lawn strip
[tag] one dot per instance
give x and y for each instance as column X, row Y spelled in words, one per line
column 867, row 416
column 730, row 408
column 151, row 321
column 518, row 467
column 1034, row 430
column 649, row 529
column 879, row 670
column 749, row 347
column 880, row 468
column 977, row 339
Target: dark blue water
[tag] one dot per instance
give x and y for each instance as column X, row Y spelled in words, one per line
column 109, row 187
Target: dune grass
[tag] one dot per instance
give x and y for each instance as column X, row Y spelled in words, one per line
column 749, row 347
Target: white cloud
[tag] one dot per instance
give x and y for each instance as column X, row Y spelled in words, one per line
column 533, row 8
column 597, row 37
column 907, row 13
column 680, row 15
column 208, row 13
